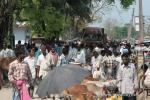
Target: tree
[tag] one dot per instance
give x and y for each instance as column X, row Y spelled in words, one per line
column 51, row 17
column 121, row 32
column 6, row 21
column 47, row 17
column 125, row 3
column 110, row 28
column 48, row 22
column 99, row 8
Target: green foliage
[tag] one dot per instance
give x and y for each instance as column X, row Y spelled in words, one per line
column 44, row 20
column 52, row 18
column 124, row 3
column 121, row 32
column 79, row 8
column 55, row 23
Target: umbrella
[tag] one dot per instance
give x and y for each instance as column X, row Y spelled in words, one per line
column 60, row 78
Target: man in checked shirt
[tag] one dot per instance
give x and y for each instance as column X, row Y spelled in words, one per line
column 108, row 69
column 19, row 75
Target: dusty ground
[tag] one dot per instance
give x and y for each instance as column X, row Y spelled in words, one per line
column 5, row 94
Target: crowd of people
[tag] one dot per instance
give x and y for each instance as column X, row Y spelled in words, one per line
column 112, row 61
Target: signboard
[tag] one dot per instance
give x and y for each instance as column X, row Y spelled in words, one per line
column 137, row 20
column 137, row 27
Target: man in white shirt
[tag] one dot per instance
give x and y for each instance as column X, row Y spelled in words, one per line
column 127, row 79
column 72, row 52
column 52, row 58
column 31, row 61
column 95, row 61
column 81, row 55
column 42, row 63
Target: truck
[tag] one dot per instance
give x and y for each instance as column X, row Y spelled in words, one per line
column 93, row 35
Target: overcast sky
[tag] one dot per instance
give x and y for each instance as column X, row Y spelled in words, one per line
column 124, row 15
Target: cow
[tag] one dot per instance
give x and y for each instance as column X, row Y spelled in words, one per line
column 4, row 67
column 100, row 88
column 5, row 61
column 79, row 92
column 98, row 91
column 85, row 90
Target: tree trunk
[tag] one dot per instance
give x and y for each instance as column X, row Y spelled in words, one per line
column 6, row 23
column 10, row 32
column 3, row 30
column 73, row 27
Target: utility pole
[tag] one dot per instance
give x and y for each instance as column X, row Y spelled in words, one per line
column 130, row 27
column 141, row 20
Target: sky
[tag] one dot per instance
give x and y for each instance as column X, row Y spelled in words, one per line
column 124, row 15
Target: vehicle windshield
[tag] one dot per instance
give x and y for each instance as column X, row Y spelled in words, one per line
column 92, row 37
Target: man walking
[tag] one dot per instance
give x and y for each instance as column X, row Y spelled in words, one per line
column 20, row 76
column 43, row 65
column 31, row 61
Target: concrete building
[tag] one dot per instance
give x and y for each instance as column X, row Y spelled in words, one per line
column 21, row 32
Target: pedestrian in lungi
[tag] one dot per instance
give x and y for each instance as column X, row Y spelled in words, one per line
column 20, row 76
